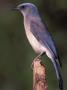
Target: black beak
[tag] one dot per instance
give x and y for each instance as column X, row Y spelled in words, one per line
column 15, row 9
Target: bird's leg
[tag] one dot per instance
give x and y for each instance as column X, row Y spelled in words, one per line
column 37, row 57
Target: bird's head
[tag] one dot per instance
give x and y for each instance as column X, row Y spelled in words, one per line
column 27, row 9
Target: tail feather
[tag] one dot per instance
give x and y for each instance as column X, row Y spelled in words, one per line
column 61, row 83
column 58, row 72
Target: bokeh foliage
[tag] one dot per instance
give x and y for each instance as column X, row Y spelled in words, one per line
column 16, row 55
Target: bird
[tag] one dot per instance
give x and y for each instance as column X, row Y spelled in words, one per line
column 39, row 37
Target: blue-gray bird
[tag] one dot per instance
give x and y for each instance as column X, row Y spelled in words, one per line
column 39, row 37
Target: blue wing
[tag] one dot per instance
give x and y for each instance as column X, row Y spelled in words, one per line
column 43, row 36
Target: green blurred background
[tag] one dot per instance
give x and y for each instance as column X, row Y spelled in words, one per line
column 16, row 54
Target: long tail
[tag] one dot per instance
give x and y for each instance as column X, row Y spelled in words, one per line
column 58, row 72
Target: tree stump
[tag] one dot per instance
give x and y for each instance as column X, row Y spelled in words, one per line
column 39, row 76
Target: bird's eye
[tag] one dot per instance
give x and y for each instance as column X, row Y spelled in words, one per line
column 23, row 7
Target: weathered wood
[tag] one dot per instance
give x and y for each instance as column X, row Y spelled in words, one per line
column 39, row 76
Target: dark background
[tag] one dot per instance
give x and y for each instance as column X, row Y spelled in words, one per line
column 16, row 54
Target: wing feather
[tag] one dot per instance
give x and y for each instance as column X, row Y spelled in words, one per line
column 43, row 36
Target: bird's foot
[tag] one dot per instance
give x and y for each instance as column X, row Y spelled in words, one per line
column 37, row 58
